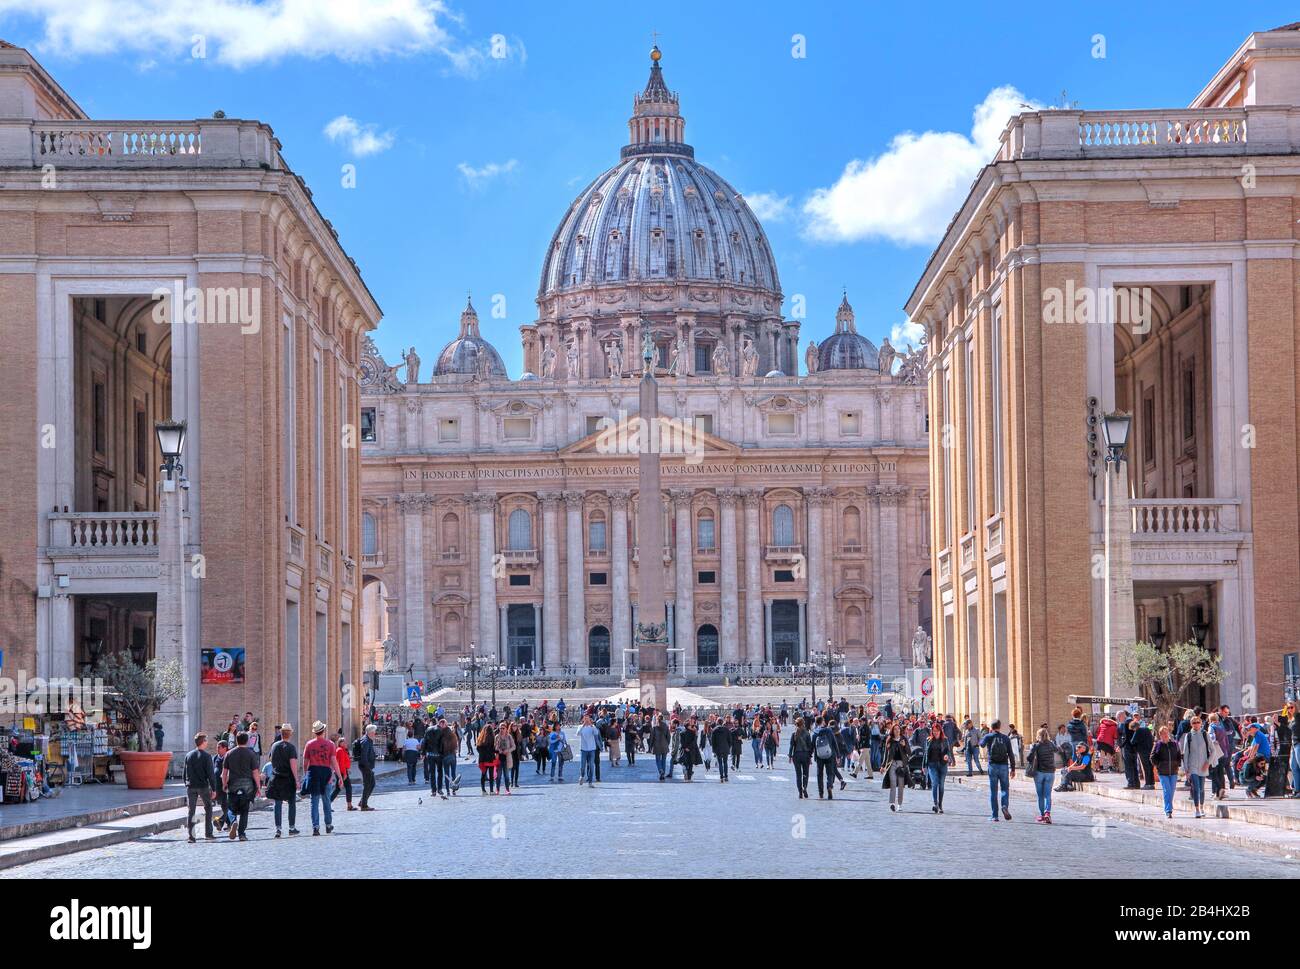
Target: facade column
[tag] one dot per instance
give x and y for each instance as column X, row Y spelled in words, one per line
column 816, row 568
column 488, row 635
column 574, row 551
column 684, row 610
column 891, row 635
column 548, row 634
column 754, row 645
column 729, row 640
column 503, row 635
column 767, row 609
column 538, row 650
column 413, row 651
column 804, row 651
column 621, row 634
column 876, row 556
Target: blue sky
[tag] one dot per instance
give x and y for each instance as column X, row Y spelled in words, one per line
column 466, row 161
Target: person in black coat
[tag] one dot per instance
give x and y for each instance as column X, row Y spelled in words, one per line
column 738, row 731
column 689, row 750
column 365, row 762
column 1141, row 738
column 721, row 742
column 200, row 782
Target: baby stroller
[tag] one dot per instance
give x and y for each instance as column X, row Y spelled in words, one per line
column 916, row 769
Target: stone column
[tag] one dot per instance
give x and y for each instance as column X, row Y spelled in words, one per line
column 767, row 610
column 548, row 636
column 538, row 649
column 413, row 651
column 876, row 556
column 621, row 635
column 488, row 634
column 684, row 613
column 815, row 562
column 754, row 645
column 575, row 551
column 1119, row 622
column 503, row 635
column 891, row 559
column 729, row 635
column 170, row 618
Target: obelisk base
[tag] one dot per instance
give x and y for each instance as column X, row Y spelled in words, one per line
column 654, row 690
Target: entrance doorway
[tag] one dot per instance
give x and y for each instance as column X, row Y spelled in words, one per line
column 521, row 636
column 786, row 646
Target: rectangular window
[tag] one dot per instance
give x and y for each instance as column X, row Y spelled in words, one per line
column 946, row 446
column 968, row 378
column 704, row 423
column 1189, row 400
column 318, row 444
column 780, row 424
column 521, row 580
column 704, row 358
column 448, row 429
column 596, row 537
column 593, row 423
column 517, row 428
column 1149, row 426
column 707, row 578
column 850, row 423
column 368, row 435
column 100, row 416
column 290, row 415
column 705, row 531
column 141, row 441
column 342, row 531
column 596, row 578
column 783, row 575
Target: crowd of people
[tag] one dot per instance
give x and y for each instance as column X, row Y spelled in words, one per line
column 835, row 740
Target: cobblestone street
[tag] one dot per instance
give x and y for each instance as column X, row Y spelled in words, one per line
column 630, row 823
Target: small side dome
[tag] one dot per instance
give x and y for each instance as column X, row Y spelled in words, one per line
column 464, row 355
column 773, row 373
column 846, row 348
column 528, row 375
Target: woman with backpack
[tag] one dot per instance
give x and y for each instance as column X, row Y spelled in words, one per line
column 801, row 750
column 895, row 756
column 1166, row 758
column 1199, row 754
column 487, row 759
column 1040, row 764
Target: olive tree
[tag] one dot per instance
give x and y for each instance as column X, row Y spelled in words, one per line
column 1166, row 676
column 142, row 690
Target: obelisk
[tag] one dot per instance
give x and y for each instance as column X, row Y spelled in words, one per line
column 651, row 629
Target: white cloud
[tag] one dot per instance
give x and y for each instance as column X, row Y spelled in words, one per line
column 909, row 193
column 241, row 33
column 361, row 139
column 477, row 177
column 901, row 334
column 768, row 206
column 472, row 59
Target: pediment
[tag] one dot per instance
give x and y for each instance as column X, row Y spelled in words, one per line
column 591, row 445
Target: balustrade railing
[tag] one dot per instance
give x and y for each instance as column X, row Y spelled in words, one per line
column 1178, row 517
column 104, row 531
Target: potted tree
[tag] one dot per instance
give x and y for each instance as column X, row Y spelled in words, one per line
column 1166, row 675
column 141, row 691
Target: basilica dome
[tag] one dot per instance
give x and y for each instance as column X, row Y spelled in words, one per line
column 658, row 216
column 846, row 348
column 463, row 354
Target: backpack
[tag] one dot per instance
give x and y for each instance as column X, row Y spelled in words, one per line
column 822, row 744
column 358, row 752
column 999, row 749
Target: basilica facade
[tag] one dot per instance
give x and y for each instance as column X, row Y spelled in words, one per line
column 498, row 514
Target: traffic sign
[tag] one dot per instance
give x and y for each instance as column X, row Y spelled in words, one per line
column 873, row 707
column 927, row 686
column 875, row 686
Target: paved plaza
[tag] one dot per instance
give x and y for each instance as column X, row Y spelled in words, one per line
column 630, row 824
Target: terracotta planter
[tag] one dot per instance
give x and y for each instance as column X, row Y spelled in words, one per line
column 145, row 770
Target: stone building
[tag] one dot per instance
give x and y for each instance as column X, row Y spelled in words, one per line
column 255, row 344
column 1141, row 262
column 499, row 513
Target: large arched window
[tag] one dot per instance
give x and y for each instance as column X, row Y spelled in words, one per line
column 704, row 534
column 369, row 534
column 521, row 530
column 852, row 526
column 782, row 526
column 596, row 532
column 451, row 532
column 706, row 645
column 598, row 648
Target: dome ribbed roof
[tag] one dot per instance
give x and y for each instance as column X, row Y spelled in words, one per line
column 658, row 216
column 846, row 348
column 461, row 355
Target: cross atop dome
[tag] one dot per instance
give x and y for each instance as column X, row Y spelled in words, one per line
column 844, row 316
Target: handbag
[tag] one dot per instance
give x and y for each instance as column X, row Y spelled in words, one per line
column 566, row 754
column 1031, row 762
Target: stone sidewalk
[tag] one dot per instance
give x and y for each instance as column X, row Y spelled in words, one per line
column 1270, row 825
column 99, row 815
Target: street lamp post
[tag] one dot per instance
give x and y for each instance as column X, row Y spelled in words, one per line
column 829, row 658
column 1115, row 430
column 170, row 608
column 472, row 664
